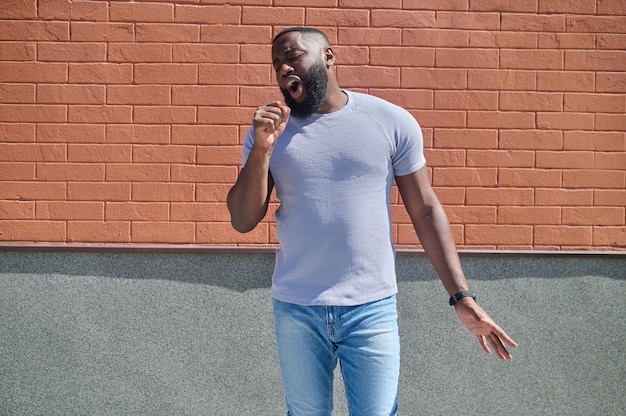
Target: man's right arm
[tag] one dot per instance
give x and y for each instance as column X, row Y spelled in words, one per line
column 248, row 199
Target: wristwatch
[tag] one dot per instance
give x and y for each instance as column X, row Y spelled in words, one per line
column 458, row 296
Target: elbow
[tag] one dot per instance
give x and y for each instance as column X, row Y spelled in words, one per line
column 242, row 226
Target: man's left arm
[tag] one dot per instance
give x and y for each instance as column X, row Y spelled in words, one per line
column 431, row 225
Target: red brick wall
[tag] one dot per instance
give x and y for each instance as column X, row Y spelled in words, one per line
column 121, row 121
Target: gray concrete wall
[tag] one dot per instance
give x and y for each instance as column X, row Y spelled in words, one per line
column 88, row 333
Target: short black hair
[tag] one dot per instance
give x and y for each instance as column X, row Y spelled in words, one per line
column 306, row 32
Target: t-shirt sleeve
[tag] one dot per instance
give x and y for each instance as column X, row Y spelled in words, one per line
column 408, row 156
column 247, row 146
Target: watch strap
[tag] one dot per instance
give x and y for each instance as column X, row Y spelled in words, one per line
column 458, row 296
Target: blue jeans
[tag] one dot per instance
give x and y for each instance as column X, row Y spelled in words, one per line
column 365, row 341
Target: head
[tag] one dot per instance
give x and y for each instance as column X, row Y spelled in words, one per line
column 303, row 60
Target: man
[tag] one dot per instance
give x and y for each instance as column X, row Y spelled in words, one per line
column 333, row 156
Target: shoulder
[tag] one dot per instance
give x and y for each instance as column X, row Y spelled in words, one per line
column 382, row 110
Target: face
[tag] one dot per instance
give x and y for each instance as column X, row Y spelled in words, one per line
column 300, row 73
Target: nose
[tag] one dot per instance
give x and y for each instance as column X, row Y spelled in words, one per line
column 285, row 69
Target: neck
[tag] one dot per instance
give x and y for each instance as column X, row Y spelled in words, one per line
column 335, row 100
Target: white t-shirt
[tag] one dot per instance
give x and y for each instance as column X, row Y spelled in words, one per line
column 333, row 175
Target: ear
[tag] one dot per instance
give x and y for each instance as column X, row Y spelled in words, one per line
column 329, row 57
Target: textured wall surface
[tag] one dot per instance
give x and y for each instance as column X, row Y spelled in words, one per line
column 192, row 334
column 121, row 121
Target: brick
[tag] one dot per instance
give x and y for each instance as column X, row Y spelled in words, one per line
column 440, row 38
column 595, row 103
column 71, row 94
column 167, row 32
column 464, row 177
column 19, row 9
column 224, row 74
column 465, row 138
column 531, row 139
column 55, row 9
column 256, row 96
column 594, row 140
column 466, row 58
column 209, row 95
column 12, row 171
column 465, row 20
column 99, row 114
column 200, row 212
column 223, row 233
column 567, row 81
column 98, row 231
column 370, row 36
column 205, row 135
column 212, row 192
column 440, row 118
column 368, row 76
column 565, row 121
column 609, row 197
column 613, row 237
column 532, row 59
column 611, row 216
column 531, row 101
column 102, row 73
column 600, row 179
column 402, row 56
column 32, row 231
column 445, row 157
column 568, row 7
column 164, row 115
column 17, row 93
column 596, row 24
column 610, row 161
column 598, row 60
column 529, row 178
column 225, row 115
column 564, row 160
column 34, row 30
column 219, row 155
column 32, row 72
column 161, row 232
column 200, row 52
column 165, row 73
column 32, row 152
column 565, row 41
column 137, row 134
column 610, row 122
column 236, row 34
column 141, row 12
column 466, row 100
column 500, row 119
column 204, row 174
column 71, row 52
column 17, row 132
column 461, row 5
column 563, row 197
column 499, row 196
column 93, row 191
column 450, row 196
column 165, row 192
column 76, row 172
column 208, row 14
column 509, row 40
column 27, row 113
column 501, row 158
column 137, row 211
column 616, row 7
column 102, row 32
column 395, row 18
column 290, row 16
column 138, row 94
column 137, row 172
column 331, row 3
column 93, row 153
column 17, row 210
column 471, row 215
column 163, row 154
column 406, row 98
column 434, row 78
column 89, row 11
column 18, row 51
column 498, row 234
column 70, row 211
column 532, row 22
column 489, row 79
column 529, row 215
column 139, row 52
column 561, row 236
column 503, row 6
column 33, row 191
column 611, row 41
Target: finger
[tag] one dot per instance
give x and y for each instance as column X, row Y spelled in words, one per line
column 500, row 332
column 483, row 343
column 499, row 347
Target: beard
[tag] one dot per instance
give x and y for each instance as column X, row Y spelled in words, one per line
column 314, row 84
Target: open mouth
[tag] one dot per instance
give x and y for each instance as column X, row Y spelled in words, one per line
column 293, row 84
